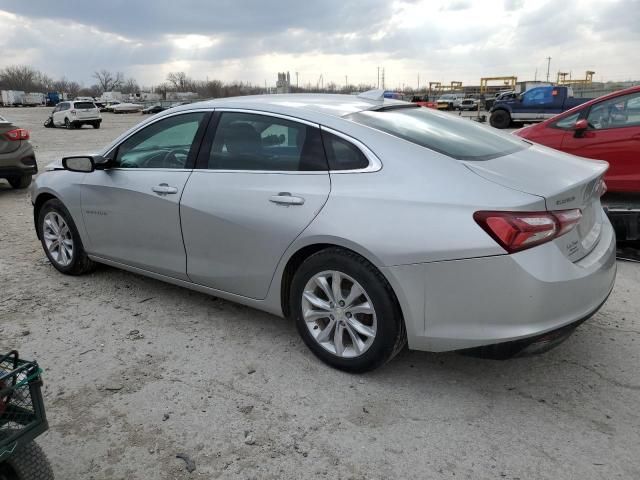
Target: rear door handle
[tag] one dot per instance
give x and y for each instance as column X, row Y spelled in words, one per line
column 164, row 189
column 285, row 198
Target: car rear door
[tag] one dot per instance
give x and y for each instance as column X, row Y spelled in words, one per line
column 131, row 209
column 613, row 135
column 58, row 113
column 261, row 179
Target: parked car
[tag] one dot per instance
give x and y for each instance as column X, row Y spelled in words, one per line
column 76, row 114
column 534, row 105
column 17, row 158
column 423, row 101
column 606, row 128
column 449, row 101
column 127, row 108
column 469, row 104
column 153, row 109
column 290, row 204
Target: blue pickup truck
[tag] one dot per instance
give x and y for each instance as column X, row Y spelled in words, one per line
column 534, row 105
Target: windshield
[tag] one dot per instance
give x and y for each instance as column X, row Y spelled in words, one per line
column 447, row 97
column 444, row 133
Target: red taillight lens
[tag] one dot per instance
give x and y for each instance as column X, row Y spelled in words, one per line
column 516, row 231
column 17, row 135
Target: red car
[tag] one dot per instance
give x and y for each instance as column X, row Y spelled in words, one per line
column 605, row 128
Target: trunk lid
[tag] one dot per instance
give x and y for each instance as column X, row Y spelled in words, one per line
column 564, row 181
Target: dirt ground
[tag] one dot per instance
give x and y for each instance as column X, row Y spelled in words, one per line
column 138, row 372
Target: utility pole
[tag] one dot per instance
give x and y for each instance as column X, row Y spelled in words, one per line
column 378, row 77
column 383, row 78
column 418, row 82
column 296, row 79
column 346, row 82
column 548, row 67
column 535, row 77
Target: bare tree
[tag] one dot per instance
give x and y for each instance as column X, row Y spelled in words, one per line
column 18, row 77
column 108, row 81
column 179, row 81
column 130, row 86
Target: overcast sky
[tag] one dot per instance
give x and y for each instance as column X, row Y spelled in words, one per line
column 251, row 40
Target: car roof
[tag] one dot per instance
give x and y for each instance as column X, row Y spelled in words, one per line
column 302, row 105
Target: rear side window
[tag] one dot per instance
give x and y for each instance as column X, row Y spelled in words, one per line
column 341, row 154
column 455, row 137
column 84, row 105
column 247, row 141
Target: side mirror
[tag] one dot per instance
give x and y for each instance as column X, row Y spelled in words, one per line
column 581, row 125
column 79, row 164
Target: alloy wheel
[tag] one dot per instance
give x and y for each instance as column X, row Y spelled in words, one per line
column 57, row 238
column 339, row 314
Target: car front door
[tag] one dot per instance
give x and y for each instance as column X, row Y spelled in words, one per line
column 131, row 209
column 260, row 180
column 613, row 135
column 58, row 113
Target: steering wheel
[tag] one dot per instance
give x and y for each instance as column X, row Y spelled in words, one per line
column 171, row 161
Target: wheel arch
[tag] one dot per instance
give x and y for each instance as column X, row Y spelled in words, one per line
column 40, row 200
column 303, row 252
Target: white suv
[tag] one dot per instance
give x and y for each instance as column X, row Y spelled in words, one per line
column 75, row 114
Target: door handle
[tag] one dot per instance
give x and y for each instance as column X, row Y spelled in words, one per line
column 164, row 189
column 285, row 198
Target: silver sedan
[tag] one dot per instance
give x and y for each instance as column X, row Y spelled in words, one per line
column 370, row 222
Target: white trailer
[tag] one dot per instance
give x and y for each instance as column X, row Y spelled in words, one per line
column 11, row 98
column 33, row 99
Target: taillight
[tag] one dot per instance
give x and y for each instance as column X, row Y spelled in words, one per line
column 516, row 231
column 73, row 112
column 17, row 134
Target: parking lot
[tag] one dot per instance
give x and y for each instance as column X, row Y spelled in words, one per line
column 138, row 371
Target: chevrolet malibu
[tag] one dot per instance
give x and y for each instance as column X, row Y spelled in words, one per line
column 370, row 222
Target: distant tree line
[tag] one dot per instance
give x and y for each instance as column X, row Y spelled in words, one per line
column 28, row 79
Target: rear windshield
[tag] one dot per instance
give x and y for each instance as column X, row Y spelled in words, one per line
column 84, row 105
column 458, row 138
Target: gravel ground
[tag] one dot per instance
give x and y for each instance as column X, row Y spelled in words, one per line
column 138, row 372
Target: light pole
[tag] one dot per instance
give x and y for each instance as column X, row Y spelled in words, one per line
column 548, row 67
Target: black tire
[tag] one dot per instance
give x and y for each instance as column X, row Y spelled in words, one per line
column 49, row 123
column 96, row 125
column 28, row 463
column 67, row 124
column 80, row 262
column 500, row 119
column 20, row 182
column 391, row 334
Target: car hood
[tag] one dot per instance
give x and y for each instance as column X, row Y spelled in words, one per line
column 558, row 177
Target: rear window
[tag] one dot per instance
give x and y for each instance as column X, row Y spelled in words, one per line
column 442, row 132
column 84, row 105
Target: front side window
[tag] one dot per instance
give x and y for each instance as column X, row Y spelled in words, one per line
column 166, row 143
column 567, row 122
column 455, row 137
column 617, row 112
column 247, row 141
column 537, row 96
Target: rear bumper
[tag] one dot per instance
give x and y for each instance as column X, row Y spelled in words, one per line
column 18, row 163
column 490, row 300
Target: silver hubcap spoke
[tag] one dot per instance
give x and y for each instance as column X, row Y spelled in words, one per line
column 339, row 314
column 57, row 239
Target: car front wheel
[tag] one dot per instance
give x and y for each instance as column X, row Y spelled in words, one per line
column 345, row 311
column 61, row 241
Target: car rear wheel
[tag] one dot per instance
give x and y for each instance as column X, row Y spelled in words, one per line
column 96, row 125
column 346, row 311
column 20, row 182
column 500, row 119
column 67, row 124
column 61, row 241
